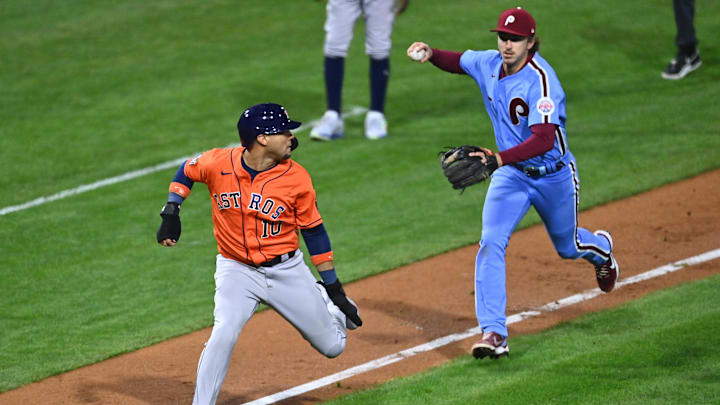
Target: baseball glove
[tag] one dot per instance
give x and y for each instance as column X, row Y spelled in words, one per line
column 463, row 170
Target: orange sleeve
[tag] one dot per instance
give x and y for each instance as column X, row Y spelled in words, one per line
column 198, row 168
column 306, row 210
column 193, row 167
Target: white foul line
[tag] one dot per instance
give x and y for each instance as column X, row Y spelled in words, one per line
column 445, row 340
column 134, row 174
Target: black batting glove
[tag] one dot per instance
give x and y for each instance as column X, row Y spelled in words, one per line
column 337, row 295
column 170, row 227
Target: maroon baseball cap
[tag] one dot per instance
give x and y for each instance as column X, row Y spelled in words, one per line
column 516, row 21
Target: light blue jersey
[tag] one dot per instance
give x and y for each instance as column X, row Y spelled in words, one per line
column 531, row 96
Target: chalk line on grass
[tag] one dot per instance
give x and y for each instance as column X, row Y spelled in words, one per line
column 136, row 173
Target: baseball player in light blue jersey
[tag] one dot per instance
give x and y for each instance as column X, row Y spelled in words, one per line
column 526, row 104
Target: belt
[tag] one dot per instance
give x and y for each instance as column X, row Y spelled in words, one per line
column 278, row 259
column 535, row 172
column 272, row 262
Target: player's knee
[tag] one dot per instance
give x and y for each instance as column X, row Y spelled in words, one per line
column 377, row 52
column 336, row 46
column 331, row 345
column 223, row 338
column 335, row 52
column 378, row 46
column 225, row 333
column 334, row 350
column 493, row 241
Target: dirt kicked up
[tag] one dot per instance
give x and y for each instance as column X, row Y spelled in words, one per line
column 412, row 305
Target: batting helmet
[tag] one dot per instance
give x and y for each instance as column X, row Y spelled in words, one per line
column 267, row 118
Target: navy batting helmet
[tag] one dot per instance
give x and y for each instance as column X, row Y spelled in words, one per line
column 267, row 118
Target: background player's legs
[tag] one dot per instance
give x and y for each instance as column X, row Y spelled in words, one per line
column 684, row 20
column 379, row 77
column 556, row 198
column 341, row 17
column 379, row 17
column 687, row 58
column 294, row 294
column 506, row 204
column 334, row 72
column 339, row 24
column 235, row 302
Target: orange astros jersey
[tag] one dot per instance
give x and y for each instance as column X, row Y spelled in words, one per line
column 254, row 220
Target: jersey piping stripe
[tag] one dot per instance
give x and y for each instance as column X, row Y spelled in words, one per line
column 258, row 213
column 586, row 246
column 543, row 84
column 242, row 210
column 560, row 140
column 311, row 224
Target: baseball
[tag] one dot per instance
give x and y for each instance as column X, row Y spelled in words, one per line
column 418, row 54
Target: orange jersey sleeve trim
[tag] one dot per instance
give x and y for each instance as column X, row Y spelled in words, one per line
column 179, row 189
column 321, row 258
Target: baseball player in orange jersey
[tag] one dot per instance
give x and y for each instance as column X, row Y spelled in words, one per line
column 260, row 199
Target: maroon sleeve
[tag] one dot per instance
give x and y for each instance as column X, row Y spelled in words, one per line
column 541, row 141
column 448, row 61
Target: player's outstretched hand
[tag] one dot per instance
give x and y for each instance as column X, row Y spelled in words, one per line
column 337, row 295
column 169, row 232
column 419, row 52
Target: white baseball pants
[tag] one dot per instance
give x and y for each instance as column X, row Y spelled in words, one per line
column 340, row 22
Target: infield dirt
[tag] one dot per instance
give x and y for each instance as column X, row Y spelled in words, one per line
column 412, row 305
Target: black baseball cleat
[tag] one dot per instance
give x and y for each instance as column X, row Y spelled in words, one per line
column 681, row 65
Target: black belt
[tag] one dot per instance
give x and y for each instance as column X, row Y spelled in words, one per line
column 278, row 259
column 535, row 172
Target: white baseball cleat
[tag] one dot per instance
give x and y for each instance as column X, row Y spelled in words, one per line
column 330, row 127
column 375, row 125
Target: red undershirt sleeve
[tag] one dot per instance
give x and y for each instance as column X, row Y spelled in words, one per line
column 448, row 61
column 541, row 141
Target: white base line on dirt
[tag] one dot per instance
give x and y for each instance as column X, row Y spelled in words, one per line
column 445, row 340
column 136, row 173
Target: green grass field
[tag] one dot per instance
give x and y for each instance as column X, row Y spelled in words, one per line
column 92, row 90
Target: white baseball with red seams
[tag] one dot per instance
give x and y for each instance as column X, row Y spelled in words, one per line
column 418, row 54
